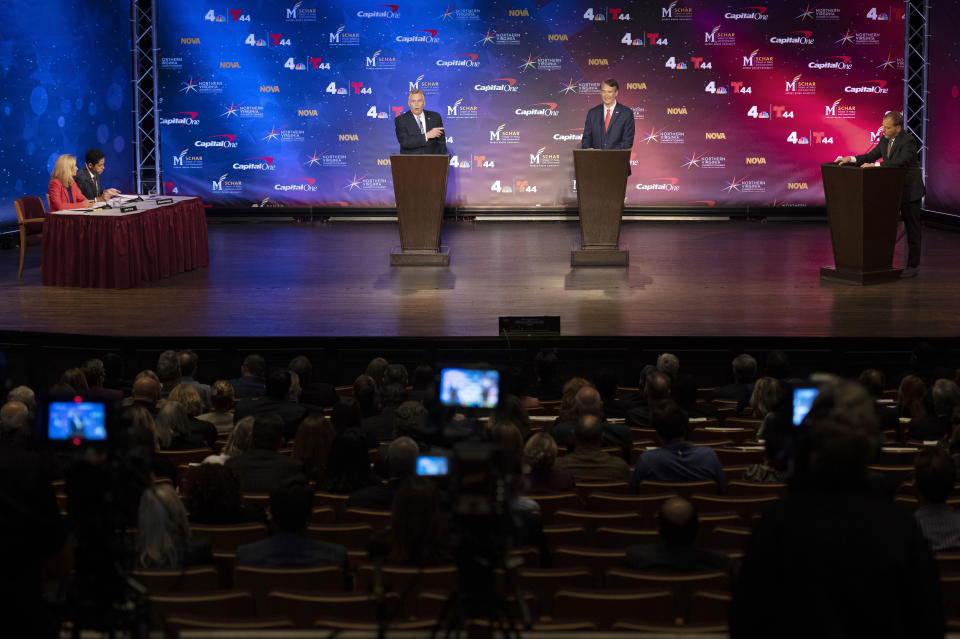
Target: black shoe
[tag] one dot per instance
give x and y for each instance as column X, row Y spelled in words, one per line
column 910, row 271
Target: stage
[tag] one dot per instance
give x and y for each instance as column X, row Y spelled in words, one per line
column 713, row 279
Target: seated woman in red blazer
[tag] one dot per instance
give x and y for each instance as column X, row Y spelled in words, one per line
column 63, row 190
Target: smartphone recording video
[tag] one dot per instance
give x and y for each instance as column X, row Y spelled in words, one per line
column 76, row 421
column 431, row 466
column 802, row 402
column 469, row 388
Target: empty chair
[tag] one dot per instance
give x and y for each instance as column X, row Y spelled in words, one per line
column 593, row 520
column 646, row 505
column 259, row 580
column 545, row 582
column 709, row 608
column 323, row 515
column 582, row 625
column 177, row 623
column 405, row 580
column 753, row 488
column 371, row 626
column 256, row 500
column 226, row 538
column 304, row 607
column 549, row 504
column 742, row 422
column 350, row 536
column 734, row 473
column 376, row 519
column 613, row 537
column 717, row 433
column 596, row 560
column 30, row 219
column 681, row 585
column 333, row 500
column 681, row 488
column 178, row 457
column 727, row 537
column 584, row 489
column 894, row 475
column 196, row 579
column 607, row 606
column 431, row 604
column 896, row 455
column 566, row 534
column 218, row 603
column 745, row 507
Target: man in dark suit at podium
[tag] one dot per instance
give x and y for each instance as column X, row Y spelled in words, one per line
column 420, row 131
column 609, row 125
column 898, row 148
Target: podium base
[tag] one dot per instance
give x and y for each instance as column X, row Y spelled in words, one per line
column 599, row 257
column 859, row 278
column 399, row 257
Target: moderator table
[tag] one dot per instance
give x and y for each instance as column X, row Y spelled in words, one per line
column 110, row 249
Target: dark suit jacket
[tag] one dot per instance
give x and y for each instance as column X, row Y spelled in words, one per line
column 379, row 428
column 613, row 435
column 247, row 386
column 90, row 186
column 319, row 394
column 661, row 557
column 377, row 497
column 905, row 154
column 291, row 412
column 288, row 549
column 263, row 470
column 412, row 141
column 618, row 136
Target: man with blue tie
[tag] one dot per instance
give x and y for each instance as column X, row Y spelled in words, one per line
column 609, row 125
column 420, row 131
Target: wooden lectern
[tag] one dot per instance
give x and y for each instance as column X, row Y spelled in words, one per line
column 420, row 188
column 601, row 185
column 862, row 207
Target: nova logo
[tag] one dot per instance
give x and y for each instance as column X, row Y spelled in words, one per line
column 232, row 64
column 383, row 162
column 636, row 86
column 676, row 110
column 557, row 37
column 597, row 62
column 715, row 135
column 797, row 186
column 189, row 40
column 348, row 137
column 756, row 160
column 269, row 88
column 307, row 113
column 518, row 13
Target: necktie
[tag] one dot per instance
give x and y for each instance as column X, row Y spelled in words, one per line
column 420, row 122
column 890, row 147
column 606, row 121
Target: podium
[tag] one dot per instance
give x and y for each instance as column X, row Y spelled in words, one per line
column 862, row 208
column 601, row 185
column 420, row 189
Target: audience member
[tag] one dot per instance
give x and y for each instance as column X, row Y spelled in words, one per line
column 744, row 374
column 777, row 365
column 402, row 463
column 274, row 400
column 189, row 363
column 251, row 383
column 346, row 414
column 172, row 418
column 75, row 378
column 221, row 401
column 379, row 427
column 677, row 459
column 588, row 402
column 911, row 398
column 669, row 365
column 408, row 422
column 936, row 475
column 163, row 533
column 767, row 471
column 348, row 465
column 418, row 532
column 14, row 423
column 146, row 392
column 684, row 392
column 606, row 382
column 26, row 395
column 262, row 468
column 366, row 392
column 422, row 389
column 875, row 383
column 113, row 367
column 239, row 441
column 937, row 425
column 63, row 192
column 588, row 463
column 291, row 504
column 168, row 372
column 656, row 390
column 312, row 445
column 189, row 398
column 763, row 399
column 676, row 552
column 375, row 371
column 510, row 410
column 834, row 557
column 314, row 392
column 215, row 497
column 568, row 401
column 540, row 453
column 95, row 373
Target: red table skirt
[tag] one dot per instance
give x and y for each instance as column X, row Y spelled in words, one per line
column 121, row 252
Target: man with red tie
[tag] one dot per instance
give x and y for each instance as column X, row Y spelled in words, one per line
column 609, row 125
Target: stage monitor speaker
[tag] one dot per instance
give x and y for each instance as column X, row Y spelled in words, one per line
column 532, row 325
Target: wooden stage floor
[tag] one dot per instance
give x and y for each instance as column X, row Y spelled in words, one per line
column 722, row 279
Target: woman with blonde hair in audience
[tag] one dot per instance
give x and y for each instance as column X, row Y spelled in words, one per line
column 187, row 395
column 173, row 422
column 221, row 401
column 63, row 191
column 542, row 478
column 240, row 440
column 163, row 533
column 311, row 445
column 763, row 399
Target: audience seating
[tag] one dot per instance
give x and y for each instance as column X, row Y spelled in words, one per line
column 596, row 560
column 257, row 500
column 709, row 608
column 734, row 473
column 195, row 579
column 948, row 562
column 682, row 488
column 545, row 582
column 584, row 489
column 616, row 537
column 647, row 505
column 323, row 515
column 371, row 626
column 727, row 537
column 304, row 607
column 350, row 536
column 643, row 434
column 742, row 422
column 406, row 581
column 376, row 519
column 177, row 622
column 550, row 504
column 179, row 457
column 30, row 219
column 753, row 488
column 566, row 535
column 737, row 435
column 897, row 455
column 739, row 456
column 260, row 580
column 894, row 475
column 681, row 585
column 224, row 562
column 593, row 520
column 746, row 507
column 216, row 603
column 607, row 606
column 667, row 629
column 431, row 604
column 226, row 538
column 332, row 500
column 950, row 586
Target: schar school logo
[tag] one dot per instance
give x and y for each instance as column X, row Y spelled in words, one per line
column 673, row 12
column 299, row 13
column 756, row 62
column 747, row 13
column 381, row 11
column 342, row 38
column 255, row 164
column 793, row 37
column 460, row 61
column 377, row 62
column 502, row 136
column 670, row 184
column 797, row 86
column 189, row 118
column 425, row 36
column 542, row 159
column 504, row 85
column 429, row 87
column 223, row 185
column 839, row 111
column 540, row 109
column 716, row 37
column 839, row 62
column 306, row 184
column 220, row 141
column 877, row 87
column 185, row 161
column 460, row 111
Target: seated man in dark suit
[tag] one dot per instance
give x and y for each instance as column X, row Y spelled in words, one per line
column 936, row 475
column 744, row 374
column 588, row 463
column 402, row 463
column 656, row 390
column 290, row 506
column 676, row 553
column 379, row 428
column 677, row 459
column 313, row 392
column 588, row 402
column 250, row 383
column 88, row 177
column 945, row 395
column 274, row 400
column 262, row 468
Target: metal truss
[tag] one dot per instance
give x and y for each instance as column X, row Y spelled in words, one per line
column 915, row 60
column 143, row 19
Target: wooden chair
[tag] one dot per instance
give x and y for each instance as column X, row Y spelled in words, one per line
column 176, row 623
column 260, row 580
column 742, row 422
column 734, row 473
column 682, row 488
column 224, row 563
column 948, row 562
column 894, row 475
column 614, row 537
column 566, row 535
column 950, row 587
column 30, row 219
column 353, row 536
column 596, row 560
column 580, row 625
column 406, row 580
column 196, row 579
column 179, row 457
column 644, row 434
column 430, row 604
column 681, row 585
column 754, row 488
column 647, row 505
column 218, row 603
column 737, row 435
column 545, row 582
column 584, row 489
column 590, row 520
column 746, row 507
column 304, row 607
column 670, row 629
column 726, row 537
column 376, row 519
column 607, row 606
column 332, row 500
column 740, row 456
column 260, row 501
column 370, row 627
column 704, row 422
column 323, row 515
column 709, row 607
column 550, row 504
column 709, row 521
column 897, row 455
column 226, row 538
